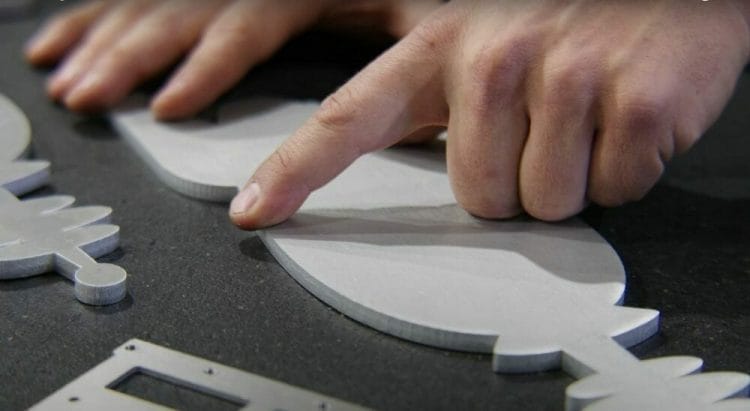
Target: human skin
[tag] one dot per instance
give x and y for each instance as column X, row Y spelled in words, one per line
column 549, row 104
column 107, row 47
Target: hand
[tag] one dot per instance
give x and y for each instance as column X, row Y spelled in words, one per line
column 112, row 46
column 549, row 104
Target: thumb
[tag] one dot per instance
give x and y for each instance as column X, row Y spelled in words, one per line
column 391, row 98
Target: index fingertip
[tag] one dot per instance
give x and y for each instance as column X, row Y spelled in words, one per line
column 255, row 207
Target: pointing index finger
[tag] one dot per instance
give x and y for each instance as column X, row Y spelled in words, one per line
column 394, row 96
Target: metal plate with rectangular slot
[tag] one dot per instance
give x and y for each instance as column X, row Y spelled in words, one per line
column 96, row 389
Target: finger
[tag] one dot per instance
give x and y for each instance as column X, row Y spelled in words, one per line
column 486, row 134
column 246, row 33
column 397, row 94
column 633, row 143
column 555, row 161
column 150, row 46
column 62, row 32
column 101, row 37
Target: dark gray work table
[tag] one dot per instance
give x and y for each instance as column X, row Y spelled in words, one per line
column 198, row 285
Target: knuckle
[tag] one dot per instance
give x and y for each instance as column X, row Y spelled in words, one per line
column 281, row 157
column 643, row 133
column 567, row 81
column 283, row 160
column 503, row 61
column 426, row 34
column 435, row 31
column 338, row 110
column 644, row 112
column 494, row 74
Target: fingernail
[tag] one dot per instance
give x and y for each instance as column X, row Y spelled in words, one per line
column 245, row 200
column 56, row 88
column 169, row 102
column 59, row 82
column 82, row 90
column 162, row 105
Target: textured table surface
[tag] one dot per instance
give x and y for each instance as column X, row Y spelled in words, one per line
column 198, row 285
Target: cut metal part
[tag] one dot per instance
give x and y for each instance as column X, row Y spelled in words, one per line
column 43, row 234
column 15, row 130
column 95, row 390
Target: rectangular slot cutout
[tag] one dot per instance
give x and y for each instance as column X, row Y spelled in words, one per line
column 159, row 391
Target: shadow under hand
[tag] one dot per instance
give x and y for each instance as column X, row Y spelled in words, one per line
column 254, row 248
column 428, row 156
column 568, row 249
column 95, row 128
